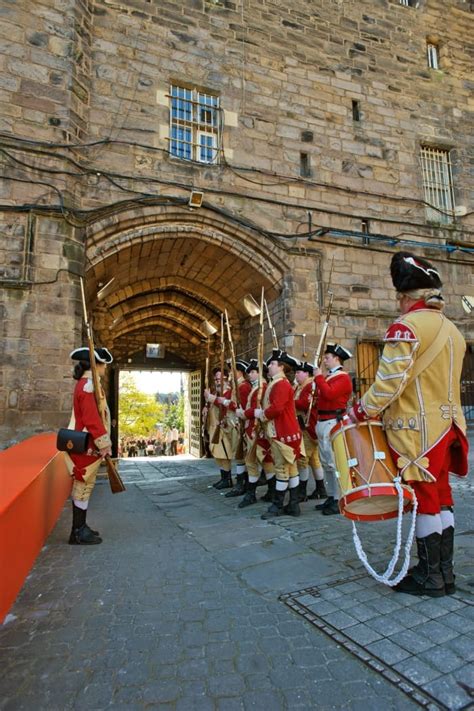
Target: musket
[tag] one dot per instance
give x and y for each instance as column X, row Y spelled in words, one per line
column 261, row 346
column 206, row 387
column 270, row 325
column 115, row 481
column 217, row 432
column 321, row 344
column 235, row 388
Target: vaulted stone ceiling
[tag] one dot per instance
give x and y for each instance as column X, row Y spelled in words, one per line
column 171, row 271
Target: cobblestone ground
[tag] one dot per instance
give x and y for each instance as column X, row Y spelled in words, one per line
column 179, row 607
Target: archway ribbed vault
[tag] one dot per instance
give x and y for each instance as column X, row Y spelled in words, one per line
column 173, row 268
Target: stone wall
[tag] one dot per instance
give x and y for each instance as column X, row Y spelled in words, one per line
column 84, row 138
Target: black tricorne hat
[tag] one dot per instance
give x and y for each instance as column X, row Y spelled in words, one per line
column 282, row 357
column 338, row 350
column 410, row 272
column 102, row 355
column 241, row 365
column 252, row 365
column 305, row 367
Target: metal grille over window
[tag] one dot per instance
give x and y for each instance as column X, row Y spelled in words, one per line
column 195, row 129
column 408, row 3
column 437, row 184
column 432, row 53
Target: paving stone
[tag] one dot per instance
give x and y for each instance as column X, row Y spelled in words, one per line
column 442, row 659
column 412, row 641
column 385, row 626
column 340, row 620
column 174, row 625
column 417, row 670
column 226, row 685
column 463, row 646
column 447, row 690
column 258, row 700
column 436, row 631
column 322, row 607
column 388, row 651
column 362, row 634
column 456, row 622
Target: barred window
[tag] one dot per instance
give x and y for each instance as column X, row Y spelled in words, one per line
column 408, row 3
column 432, row 54
column 194, row 125
column 437, row 184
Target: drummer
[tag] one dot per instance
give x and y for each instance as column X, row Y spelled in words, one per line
column 417, row 393
column 333, row 392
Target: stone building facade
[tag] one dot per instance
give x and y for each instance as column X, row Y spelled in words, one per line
column 320, row 135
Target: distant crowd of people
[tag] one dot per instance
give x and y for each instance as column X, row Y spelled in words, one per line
column 170, row 443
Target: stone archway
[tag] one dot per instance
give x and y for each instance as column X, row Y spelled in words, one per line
column 172, row 269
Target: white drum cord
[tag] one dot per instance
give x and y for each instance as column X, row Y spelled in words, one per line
column 385, row 577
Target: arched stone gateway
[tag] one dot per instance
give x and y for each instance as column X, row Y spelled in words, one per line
column 168, row 270
column 173, row 268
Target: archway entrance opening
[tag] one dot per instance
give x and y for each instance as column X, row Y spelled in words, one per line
column 158, row 277
column 153, row 413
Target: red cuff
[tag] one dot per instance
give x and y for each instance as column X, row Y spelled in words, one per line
column 359, row 412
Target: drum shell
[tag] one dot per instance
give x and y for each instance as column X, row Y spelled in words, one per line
column 366, row 471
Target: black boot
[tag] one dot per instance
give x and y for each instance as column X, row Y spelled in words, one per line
column 302, row 486
column 216, row 483
column 249, row 497
column 446, row 560
column 276, row 509
column 331, row 509
column 226, row 482
column 270, row 491
column 81, row 534
column 239, row 488
column 320, row 490
column 293, row 508
column 425, row 578
column 262, row 481
column 329, row 501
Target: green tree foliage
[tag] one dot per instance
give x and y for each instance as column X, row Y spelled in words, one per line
column 174, row 414
column 138, row 412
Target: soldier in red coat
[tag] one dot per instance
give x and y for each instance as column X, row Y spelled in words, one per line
column 258, row 454
column 85, row 417
column 306, row 412
column 244, row 387
column 417, row 394
column 333, row 391
column 223, row 426
column 283, row 432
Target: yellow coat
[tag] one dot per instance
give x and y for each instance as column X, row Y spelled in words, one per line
column 417, row 411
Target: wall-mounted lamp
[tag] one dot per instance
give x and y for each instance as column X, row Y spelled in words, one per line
column 208, row 328
column 105, row 290
column 251, row 306
column 195, row 199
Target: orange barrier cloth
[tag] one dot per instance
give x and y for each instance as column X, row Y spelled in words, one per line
column 34, row 484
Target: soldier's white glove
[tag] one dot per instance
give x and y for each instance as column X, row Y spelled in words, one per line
column 240, row 413
column 209, row 397
column 258, row 413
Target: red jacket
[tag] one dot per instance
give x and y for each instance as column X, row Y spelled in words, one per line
column 302, row 402
column 244, row 390
column 250, row 407
column 86, row 414
column 334, row 391
column 279, row 411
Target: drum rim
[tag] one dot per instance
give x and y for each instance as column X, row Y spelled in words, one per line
column 346, row 499
column 342, row 426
